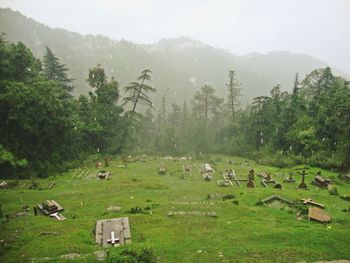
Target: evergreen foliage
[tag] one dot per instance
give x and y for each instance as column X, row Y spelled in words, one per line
column 43, row 128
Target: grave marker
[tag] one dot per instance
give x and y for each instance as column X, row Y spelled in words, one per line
column 114, row 231
column 303, row 185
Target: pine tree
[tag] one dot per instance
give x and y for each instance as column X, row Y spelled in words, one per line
column 54, row 70
column 138, row 94
column 233, row 92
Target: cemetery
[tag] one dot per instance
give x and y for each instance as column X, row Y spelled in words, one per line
column 169, row 212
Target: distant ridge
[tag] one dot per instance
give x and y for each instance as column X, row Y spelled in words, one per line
column 180, row 66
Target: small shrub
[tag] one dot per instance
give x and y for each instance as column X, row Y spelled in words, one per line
column 259, row 202
column 333, row 191
column 235, row 202
column 218, row 159
column 146, row 255
column 345, row 197
column 136, row 210
column 346, row 210
column 155, row 205
column 303, row 209
column 230, row 196
column 34, row 184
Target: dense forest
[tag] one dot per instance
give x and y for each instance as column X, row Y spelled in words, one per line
column 44, row 129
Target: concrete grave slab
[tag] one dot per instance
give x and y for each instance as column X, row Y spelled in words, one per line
column 113, row 232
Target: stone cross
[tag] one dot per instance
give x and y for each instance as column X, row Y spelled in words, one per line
column 302, row 185
column 113, row 239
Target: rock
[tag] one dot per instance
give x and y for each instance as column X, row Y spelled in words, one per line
column 70, row 256
column 100, row 255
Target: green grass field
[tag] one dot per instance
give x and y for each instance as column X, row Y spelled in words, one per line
column 242, row 232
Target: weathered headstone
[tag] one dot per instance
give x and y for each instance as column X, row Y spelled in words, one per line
column 162, row 170
column 289, row 179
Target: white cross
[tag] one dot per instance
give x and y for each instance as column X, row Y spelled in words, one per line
column 56, row 216
column 113, row 239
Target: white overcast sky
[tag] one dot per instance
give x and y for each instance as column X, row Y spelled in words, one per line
column 320, row 28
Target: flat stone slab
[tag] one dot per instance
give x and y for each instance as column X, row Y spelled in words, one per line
column 194, row 203
column 120, row 227
column 318, row 214
column 70, row 256
column 114, row 208
column 199, row 213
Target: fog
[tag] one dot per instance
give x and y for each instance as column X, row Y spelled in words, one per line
column 319, row 28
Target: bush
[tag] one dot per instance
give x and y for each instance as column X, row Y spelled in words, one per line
column 259, row 202
column 136, row 210
column 235, row 202
column 333, row 191
column 345, row 197
column 230, row 196
column 303, row 209
column 146, row 255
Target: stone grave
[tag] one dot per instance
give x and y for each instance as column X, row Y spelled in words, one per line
column 251, row 174
column 289, row 179
column 224, row 183
column 267, row 179
column 321, row 181
column 251, row 184
column 207, row 177
column 345, row 177
column 103, row 174
column 319, row 215
column 162, row 169
column 310, row 202
column 272, row 198
column 113, row 232
column 187, row 167
column 199, row 213
column 4, row 185
column 207, row 168
column 51, row 208
column 229, row 175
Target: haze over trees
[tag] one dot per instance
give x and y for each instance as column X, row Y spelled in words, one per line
column 44, row 129
column 179, row 65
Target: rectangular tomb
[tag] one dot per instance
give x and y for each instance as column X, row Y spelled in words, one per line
column 115, row 231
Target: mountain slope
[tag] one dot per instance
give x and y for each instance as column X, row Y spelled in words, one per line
column 180, row 66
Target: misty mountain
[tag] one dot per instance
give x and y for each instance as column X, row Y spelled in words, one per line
column 180, row 66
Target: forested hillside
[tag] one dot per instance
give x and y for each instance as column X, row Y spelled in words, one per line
column 181, row 66
column 44, row 129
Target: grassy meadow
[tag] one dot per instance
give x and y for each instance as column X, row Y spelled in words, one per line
column 242, row 231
